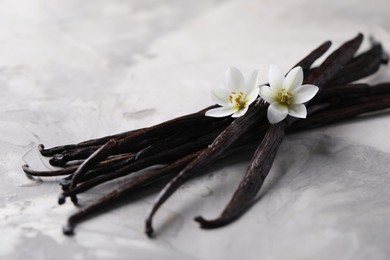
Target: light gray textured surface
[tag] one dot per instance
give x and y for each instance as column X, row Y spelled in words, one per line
column 72, row 70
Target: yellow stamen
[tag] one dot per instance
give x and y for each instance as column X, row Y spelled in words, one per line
column 284, row 97
column 238, row 100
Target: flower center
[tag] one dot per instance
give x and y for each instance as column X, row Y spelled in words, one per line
column 284, row 97
column 237, row 99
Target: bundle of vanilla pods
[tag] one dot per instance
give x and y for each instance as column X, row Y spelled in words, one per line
column 183, row 147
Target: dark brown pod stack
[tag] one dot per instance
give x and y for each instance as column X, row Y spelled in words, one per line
column 183, row 147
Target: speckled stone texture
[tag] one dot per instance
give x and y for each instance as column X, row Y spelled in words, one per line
column 73, row 70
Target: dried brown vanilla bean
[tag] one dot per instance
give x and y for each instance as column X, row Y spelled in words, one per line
column 362, row 66
column 109, row 164
column 142, row 180
column 261, row 162
column 157, row 148
column 335, row 62
column 234, row 131
column 114, row 145
column 189, row 144
column 257, row 172
column 306, row 62
column 158, row 158
column 237, row 129
column 130, row 186
column 339, row 113
column 135, row 135
column 89, row 143
column 72, row 154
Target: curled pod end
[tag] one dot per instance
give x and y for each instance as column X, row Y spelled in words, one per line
column 61, row 199
column 68, row 229
column 26, row 168
column 149, row 231
column 27, row 171
column 57, row 160
column 209, row 224
column 41, row 149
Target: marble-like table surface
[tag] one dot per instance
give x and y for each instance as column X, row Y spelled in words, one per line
column 74, row 70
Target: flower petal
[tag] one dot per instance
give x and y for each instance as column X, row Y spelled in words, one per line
column 234, row 79
column 297, row 111
column 268, row 94
column 220, row 111
column 220, row 96
column 293, row 79
column 275, row 77
column 252, row 95
column 252, row 82
column 240, row 112
column 276, row 112
column 304, row 93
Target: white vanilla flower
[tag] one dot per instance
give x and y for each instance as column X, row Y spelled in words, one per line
column 236, row 96
column 286, row 95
